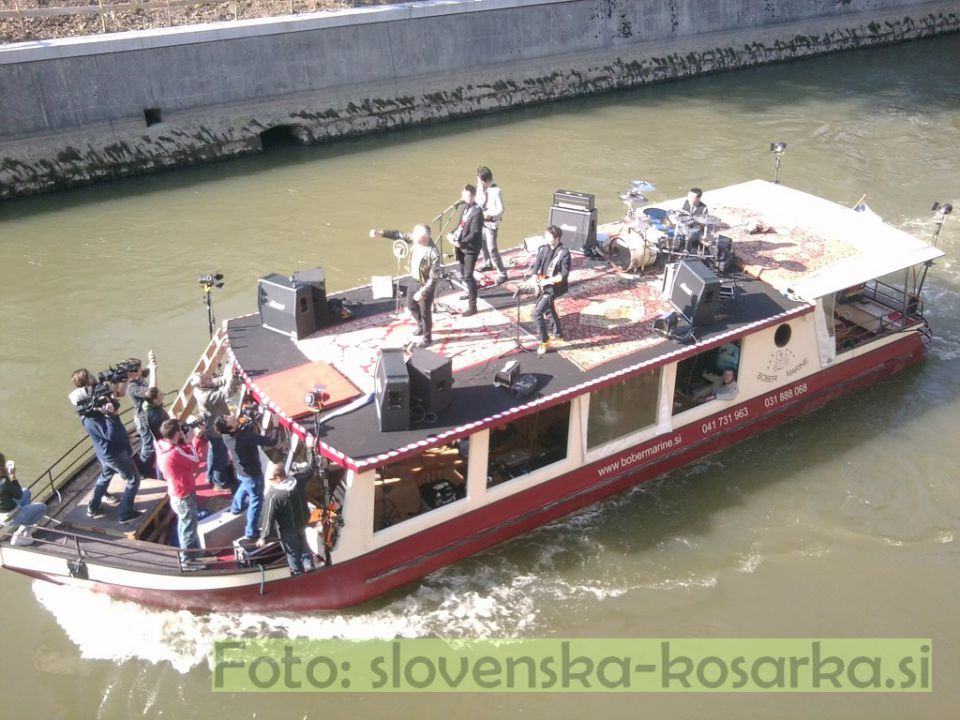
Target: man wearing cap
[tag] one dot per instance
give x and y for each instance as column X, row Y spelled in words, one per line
column 212, row 392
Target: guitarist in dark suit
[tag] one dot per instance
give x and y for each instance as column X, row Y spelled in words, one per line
column 551, row 268
column 468, row 239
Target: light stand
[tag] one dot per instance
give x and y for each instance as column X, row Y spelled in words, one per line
column 207, row 283
column 400, row 251
column 313, row 399
column 778, row 148
column 941, row 210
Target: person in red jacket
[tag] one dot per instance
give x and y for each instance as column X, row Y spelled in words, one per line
column 179, row 463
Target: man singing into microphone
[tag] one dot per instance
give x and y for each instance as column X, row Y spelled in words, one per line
column 468, row 239
column 424, row 270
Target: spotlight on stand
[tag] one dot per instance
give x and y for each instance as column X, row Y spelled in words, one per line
column 207, row 283
column 940, row 210
column 778, row 148
column 314, row 398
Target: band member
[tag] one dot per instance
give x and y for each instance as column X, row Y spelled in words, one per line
column 694, row 233
column 424, row 271
column 551, row 267
column 468, row 239
column 490, row 200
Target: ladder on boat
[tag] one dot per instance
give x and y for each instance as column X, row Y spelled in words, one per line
column 186, row 403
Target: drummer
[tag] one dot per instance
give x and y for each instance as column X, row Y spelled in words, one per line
column 695, row 208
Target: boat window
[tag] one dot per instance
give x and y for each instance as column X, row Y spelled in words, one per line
column 416, row 485
column 701, row 378
column 862, row 313
column 524, row 445
column 782, row 336
column 623, row 408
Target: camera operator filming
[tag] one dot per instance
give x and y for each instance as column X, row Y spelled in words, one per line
column 98, row 407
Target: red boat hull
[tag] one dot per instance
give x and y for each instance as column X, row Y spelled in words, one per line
column 371, row 575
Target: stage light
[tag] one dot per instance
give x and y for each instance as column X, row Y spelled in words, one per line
column 207, row 283
column 940, row 212
column 778, row 148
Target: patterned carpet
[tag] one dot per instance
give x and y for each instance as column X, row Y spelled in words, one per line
column 353, row 347
column 603, row 316
column 782, row 256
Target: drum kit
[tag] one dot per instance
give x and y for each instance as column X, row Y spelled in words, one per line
column 655, row 235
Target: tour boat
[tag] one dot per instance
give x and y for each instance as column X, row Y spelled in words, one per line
column 421, row 457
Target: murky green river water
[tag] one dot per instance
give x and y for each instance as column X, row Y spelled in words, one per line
column 844, row 523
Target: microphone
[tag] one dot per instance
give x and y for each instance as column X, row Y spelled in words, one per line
column 450, row 208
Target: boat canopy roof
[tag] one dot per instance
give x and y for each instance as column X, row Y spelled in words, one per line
column 812, row 247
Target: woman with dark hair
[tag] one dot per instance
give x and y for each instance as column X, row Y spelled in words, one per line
column 16, row 510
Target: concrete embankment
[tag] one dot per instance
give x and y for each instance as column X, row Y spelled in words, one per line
column 88, row 109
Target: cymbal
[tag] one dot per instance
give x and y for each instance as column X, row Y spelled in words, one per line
column 643, row 186
column 708, row 220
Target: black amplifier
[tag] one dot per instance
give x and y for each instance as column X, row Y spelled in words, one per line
column 286, row 307
column 392, row 386
column 573, row 200
column 695, row 292
column 431, row 380
column 314, row 277
column 579, row 227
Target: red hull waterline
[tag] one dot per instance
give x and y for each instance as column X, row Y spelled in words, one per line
column 355, row 581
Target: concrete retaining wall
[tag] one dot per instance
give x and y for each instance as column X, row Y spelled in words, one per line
column 86, row 109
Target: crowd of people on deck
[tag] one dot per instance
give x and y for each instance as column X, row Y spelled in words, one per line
column 218, row 445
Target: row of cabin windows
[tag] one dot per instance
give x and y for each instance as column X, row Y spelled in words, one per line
column 437, row 477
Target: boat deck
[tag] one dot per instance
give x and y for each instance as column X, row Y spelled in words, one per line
column 607, row 320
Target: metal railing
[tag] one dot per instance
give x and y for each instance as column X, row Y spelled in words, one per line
column 148, row 556
column 74, row 461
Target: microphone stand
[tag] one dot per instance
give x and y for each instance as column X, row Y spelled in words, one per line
column 516, row 336
column 445, row 274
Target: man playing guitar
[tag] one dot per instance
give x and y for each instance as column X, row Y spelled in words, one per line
column 552, row 268
column 468, row 239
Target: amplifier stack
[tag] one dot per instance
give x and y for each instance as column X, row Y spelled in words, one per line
column 576, row 215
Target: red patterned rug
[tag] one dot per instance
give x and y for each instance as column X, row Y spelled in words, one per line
column 783, row 255
column 604, row 315
column 353, row 347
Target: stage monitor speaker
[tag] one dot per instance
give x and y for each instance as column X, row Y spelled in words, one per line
column 287, row 307
column 579, row 227
column 695, row 292
column 316, row 280
column 431, row 380
column 573, row 200
column 392, row 387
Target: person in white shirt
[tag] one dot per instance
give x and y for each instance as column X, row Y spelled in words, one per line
column 490, row 200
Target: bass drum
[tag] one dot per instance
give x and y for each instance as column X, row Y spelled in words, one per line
column 630, row 252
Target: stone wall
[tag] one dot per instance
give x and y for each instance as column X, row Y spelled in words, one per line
column 87, row 109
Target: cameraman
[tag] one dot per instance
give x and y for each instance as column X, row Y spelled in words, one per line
column 139, row 380
column 245, row 442
column 180, row 464
column 211, row 393
column 98, row 406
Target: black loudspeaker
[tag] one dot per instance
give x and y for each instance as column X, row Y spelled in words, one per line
column 286, row 306
column 579, row 227
column 573, row 200
column 316, row 280
column 392, row 386
column 431, row 380
column 695, row 292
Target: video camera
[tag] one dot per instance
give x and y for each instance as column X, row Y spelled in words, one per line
column 99, row 396
column 186, row 427
column 117, row 373
column 252, row 411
